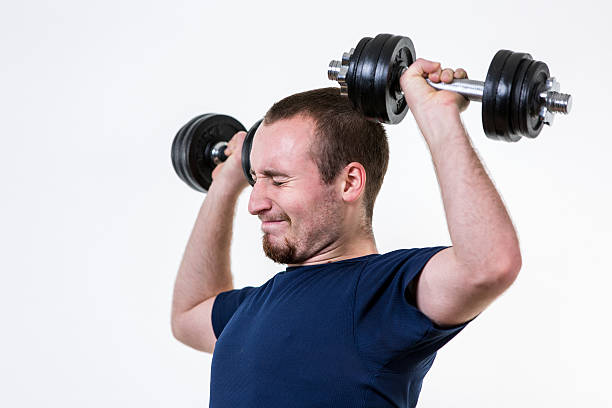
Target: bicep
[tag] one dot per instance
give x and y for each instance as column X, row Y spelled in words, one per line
column 449, row 294
column 194, row 327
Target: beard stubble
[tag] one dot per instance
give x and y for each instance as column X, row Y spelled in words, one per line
column 298, row 250
column 282, row 254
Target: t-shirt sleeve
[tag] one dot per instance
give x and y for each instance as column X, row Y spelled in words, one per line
column 387, row 323
column 226, row 304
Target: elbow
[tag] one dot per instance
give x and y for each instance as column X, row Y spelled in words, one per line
column 511, row 266
column 507, row 275
column 502, row 274
column 177, row 328
column 507, row 265
column 182, row 332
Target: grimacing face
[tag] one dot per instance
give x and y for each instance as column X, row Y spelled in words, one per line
column 300, row 215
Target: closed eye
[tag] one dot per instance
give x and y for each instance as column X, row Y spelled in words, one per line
column 272, row 174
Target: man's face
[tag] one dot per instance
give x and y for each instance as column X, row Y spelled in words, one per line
column 301, row 216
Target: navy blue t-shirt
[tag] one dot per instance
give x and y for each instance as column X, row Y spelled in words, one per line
column 342, row 334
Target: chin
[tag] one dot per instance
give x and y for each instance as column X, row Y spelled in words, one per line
column 282, row 252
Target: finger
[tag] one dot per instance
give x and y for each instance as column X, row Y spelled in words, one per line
column 447, row 75
column 423, row 67
column 460, row 74
column 229, row 148
column 436, row 75
column 239, row 134
column 237, row 137
column 235, row 140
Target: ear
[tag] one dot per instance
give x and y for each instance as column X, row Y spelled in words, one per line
column 353, row 182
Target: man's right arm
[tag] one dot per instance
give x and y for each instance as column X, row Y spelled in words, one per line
column 204, row 271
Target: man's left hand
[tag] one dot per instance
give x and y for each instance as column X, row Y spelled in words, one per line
column 422, row 98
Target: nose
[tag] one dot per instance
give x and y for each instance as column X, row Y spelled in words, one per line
column 258, row 201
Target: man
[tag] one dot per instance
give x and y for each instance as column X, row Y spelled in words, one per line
column 342, row 326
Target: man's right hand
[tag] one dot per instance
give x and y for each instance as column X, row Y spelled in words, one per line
column 205, row 268
column 229, row 175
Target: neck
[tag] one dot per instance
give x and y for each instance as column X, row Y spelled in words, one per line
column 347, row 247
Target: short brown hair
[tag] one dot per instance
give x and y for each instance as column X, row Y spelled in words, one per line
column 342, row 136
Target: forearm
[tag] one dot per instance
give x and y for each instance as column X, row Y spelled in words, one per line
column 481, row 230
column 205, row 268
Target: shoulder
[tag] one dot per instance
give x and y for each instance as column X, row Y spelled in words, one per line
column 404, row 260
column 393, row 271
column 233, row 298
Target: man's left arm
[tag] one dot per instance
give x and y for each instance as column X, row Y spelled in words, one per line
column 460, row 282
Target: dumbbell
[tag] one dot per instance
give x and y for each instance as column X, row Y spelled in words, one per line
column 199, row 146
column 518, row 95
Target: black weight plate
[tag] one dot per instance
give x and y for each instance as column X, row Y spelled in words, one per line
column 196, row 144
column 523, row 106
column 179, row 164
column 176, row 145
column 247, row 145
column 490, row 88
column 516, row 96
column 366, row 72
column 351, row 83
column 388, row 99
column 533, row 84
column 174, row 154
column 378, row 93
column 184, row 158
column 503, row 98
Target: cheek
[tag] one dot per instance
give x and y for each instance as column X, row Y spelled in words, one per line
column 314, row 207
column 298, row 211
column 306, row 203
column 296, row 201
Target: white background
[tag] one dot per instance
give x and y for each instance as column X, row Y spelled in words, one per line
column 94, row 221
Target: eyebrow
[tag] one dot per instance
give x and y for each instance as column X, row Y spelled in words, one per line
column 270, row 173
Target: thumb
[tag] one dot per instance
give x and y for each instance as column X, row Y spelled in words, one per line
column 422, row 68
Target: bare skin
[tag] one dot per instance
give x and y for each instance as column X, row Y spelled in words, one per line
column 321, row 222
column 460, row 282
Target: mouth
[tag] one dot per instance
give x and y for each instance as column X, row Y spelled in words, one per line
column 271, row 225
column 272, row 222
